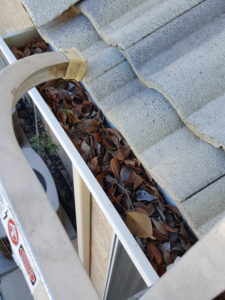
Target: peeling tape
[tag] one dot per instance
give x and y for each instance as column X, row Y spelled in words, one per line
column 77, row 64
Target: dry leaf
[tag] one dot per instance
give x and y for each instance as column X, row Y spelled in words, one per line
column 130, row 162
column 160, row 227
column 143, row 195
column 148, row 207
column 135, row 180
column 141, row 210
column 122, row 153
column 161, row 269
column 85, row 150
column 62, row 116
column 125, row 173
column 73, row 118
column 110, row 142
column 115, row 167
column 159, row 236
column 114, row 132
column 165, row 250
column 170, row 229
column 94, row 165
column 139, row 224
column 100, row 178
column 183, row 232
column 152, row 250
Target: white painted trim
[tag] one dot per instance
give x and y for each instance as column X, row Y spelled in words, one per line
column 83, row 218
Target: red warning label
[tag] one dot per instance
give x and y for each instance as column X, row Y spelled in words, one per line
column 13, row 232
column 27, row 265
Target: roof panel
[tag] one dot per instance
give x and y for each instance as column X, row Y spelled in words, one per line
column 169, row 45
column 183, row 164
column 126, row 22
column 205, row 207
column 44, row 11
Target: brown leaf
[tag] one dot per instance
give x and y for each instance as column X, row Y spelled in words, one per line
column 149, row 208
column 62, row 116
column 130, row 162
column 152, row 190
column 119, row 198
column 135, row 180
column 139, row 224
column 111, row 191
column 122, row 153
column 110, row 142
column 114, row 132
column 183, row 232
column 100, row 177
column 174, row 210
column 97, row 136
column 170, row 229
column 94, row 165
column 159, row 236
column 65, row 127
column 115, row 167
column 85, row 150
column 73, row 118
column 160, row 227
column 161, row 269
column 152, row 250
column 89, row 125
column 141, row 210
column 18, row 53
column 41, row 44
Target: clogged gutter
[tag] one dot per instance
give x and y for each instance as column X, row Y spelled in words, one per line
column 157, row 226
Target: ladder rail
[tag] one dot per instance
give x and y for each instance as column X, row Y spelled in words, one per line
column 58, row 270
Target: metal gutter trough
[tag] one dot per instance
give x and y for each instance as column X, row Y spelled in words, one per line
column 51, row 256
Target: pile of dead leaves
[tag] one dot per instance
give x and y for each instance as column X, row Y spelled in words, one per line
column 33, row 46
column 157, row 226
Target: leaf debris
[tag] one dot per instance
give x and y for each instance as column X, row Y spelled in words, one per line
column 157, row 226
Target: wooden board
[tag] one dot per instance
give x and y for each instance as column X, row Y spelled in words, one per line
column 13, row 17
column 101, row 240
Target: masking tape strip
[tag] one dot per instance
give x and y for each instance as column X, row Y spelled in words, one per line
column 77, row 64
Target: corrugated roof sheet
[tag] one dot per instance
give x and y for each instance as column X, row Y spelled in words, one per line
column 177, row 47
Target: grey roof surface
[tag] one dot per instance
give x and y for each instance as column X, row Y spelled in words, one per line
column 206, row 207
column 126, row 22
column 176, row 47
column 44, row 11
column 167, row 43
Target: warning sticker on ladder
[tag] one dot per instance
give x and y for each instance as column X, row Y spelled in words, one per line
column 13, row 232
column 27, row 265
column 21, row 253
